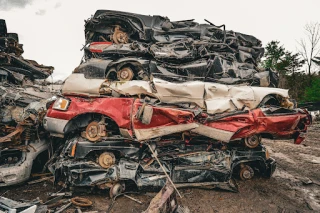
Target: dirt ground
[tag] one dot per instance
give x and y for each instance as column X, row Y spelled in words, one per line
column 294, row 187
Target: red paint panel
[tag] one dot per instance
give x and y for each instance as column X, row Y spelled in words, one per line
column 234, row 123
column 98, row 47
column 243, row 125
column 256, row 122
column 118, row 109
column 162, row 116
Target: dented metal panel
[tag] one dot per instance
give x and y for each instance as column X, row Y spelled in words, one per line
column 165, row 120
column 11, row 174
column 213, row 97
column 118, row 109
column 128, row 88
column 175, row 93
column 210, row 132
column 79, row 85
column 154, row 132
column 223, row 98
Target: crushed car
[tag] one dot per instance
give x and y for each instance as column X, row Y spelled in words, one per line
column 156, row 101
column 153, row 105
column 218, row 112
column 117, row 165
column 127, row 46
column 24, row 144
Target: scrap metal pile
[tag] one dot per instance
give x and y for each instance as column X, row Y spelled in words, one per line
column 156, row 100
column 134, row 46
column 22, row 108
column 154, row 104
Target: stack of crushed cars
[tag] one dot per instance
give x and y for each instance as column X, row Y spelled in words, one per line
column 156, row 100
column 23, row 98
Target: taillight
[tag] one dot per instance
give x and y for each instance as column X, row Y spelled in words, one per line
column 98, row 47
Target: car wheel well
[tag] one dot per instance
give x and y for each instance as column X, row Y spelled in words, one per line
column 270, row 99
column 255, row 164
column 135, row 66
column 96, row 153
column 78, row 123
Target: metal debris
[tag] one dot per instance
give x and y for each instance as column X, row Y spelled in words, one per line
column 63, row 208
column 166, row 202
column 154, row 105
column 164, row 170
column 81, row 202
column 23, row 103
column 189, row 107
column 8, row 205
column 180, row 50
column 132, row 198
column 40, row 180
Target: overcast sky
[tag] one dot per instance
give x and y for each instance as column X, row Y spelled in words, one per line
column 52, row 31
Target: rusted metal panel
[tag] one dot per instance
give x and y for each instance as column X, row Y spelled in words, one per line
column 15, row 133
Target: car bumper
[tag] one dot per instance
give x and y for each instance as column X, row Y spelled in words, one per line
column 271, row 166
column 55, row 125
column 15, row 174
column 21, row 172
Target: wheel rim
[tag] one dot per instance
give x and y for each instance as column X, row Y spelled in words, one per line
column 106, row 160
column 92, row 131
column 115, row 190
column 119, row 37
column 252, row 141
column 246, row 173
column 125, row 74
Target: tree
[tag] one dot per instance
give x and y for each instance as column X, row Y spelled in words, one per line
column 288, row 65
column 316, row 60
column 312, row 92
column 310, row 48
column 282, row 61
column 294, row 63
column 274, row 56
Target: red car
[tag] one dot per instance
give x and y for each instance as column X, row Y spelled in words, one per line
column 142, row 120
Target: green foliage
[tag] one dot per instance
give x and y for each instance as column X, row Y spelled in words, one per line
column 274, row 54
column 284, row 62
column 289, row 65
column 312, row 93
column 297, row 84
